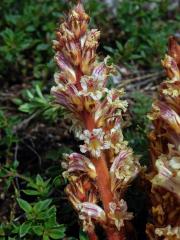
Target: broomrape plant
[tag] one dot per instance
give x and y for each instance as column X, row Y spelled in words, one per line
column 100, row 174
column 165, row 152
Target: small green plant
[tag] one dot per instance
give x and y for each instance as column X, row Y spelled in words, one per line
column 33, row 101
column 136, row 134
column 143, row 28
column 27, row 27
column 7, row 136
column 38, row 218
column 39, row 187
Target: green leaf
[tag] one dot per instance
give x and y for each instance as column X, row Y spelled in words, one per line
column 39, row 92
column 38, row 230
column 29, row 94
column 119, row 46
column 57, row 233
column 109, row 49
column 45, row 237
column 30, row 28
column 31, row 192
column 24, row 205
column 42, row 47
column 17, row 101
column 42, row 205
column 39, row 180
column 83, row 235
column 1, row 231
column 26, row 107
column 24, row 229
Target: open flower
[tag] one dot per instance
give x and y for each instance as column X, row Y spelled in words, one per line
column 168, row 175
column 171, row 67
column 113, row 97
column 118, row 213
column 77, row 163
column 91, row 87
column 90, row 212
column 81, row 190
column 102, row 71
column 94, row 142
column 68, row 97
column 169, row 116
column 123, row 170
column 68, row 74
column 115, row 137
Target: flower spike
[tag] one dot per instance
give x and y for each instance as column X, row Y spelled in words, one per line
column 165, row 152
column 101, row 174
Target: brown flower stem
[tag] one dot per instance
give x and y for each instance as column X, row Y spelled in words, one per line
column 103, row 178
column 103, row 182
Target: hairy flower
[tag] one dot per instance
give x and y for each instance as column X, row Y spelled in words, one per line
column 168, row 173
column 90, row 213
column 89, row 51
column 81, row 190
column 113, row 99
column 94, row 142
column 123, row 170
column 91, row 87
column 118, row 213
column 102, row 71
column 171, row 67
column 170, row 116
column 77, row 163
column 115, row 137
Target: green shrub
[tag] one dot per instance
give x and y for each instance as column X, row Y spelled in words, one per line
column 25, row 38
column 142, row 31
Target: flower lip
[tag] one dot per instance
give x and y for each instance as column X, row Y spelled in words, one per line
column 94, row 142
column 118, row 213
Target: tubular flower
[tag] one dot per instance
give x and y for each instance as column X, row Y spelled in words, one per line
column 94, row 142
column 118, row 213
column 123, row 170
column 102, row 175
column 165, row 152
column 90, row 211
column 77, row 163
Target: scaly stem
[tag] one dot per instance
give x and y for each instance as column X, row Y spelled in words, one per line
column 103, row 182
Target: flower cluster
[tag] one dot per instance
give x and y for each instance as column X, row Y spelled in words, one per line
column 97, row 181
column 165, row 152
